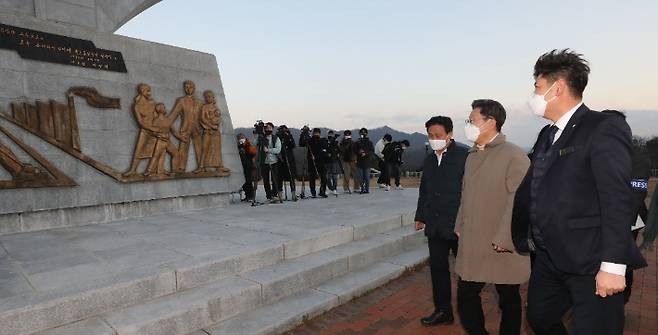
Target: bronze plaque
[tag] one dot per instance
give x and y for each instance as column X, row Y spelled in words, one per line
column 46, row 47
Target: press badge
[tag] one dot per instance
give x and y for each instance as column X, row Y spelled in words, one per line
column 640, row 185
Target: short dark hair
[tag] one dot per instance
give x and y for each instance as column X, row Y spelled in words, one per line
column 270, row 124
column 614, row 112
column 317, row 130
column 331, row 132
column 565, row 64
column 491, row 109
column 406, row 143
column 363, row 130
column 347, row 132
column 444, row 121
column 388, row 137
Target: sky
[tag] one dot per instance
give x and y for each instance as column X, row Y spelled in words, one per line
column 353, row 63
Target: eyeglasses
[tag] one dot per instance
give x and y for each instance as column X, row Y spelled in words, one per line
column 469, row 121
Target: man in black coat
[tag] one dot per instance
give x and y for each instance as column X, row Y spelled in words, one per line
column 438, row 203
column 317, row 158
column 576, row 205
column 287, row 168
column 364, row 151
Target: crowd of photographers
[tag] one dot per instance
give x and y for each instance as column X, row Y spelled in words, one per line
column 269, row 156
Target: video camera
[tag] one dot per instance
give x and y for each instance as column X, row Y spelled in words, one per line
column 306, row 132
column 259, row 127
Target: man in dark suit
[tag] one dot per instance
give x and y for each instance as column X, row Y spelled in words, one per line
column 574, row 208
column 438, row 203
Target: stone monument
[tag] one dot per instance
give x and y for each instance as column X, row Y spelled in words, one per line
column 96, row 127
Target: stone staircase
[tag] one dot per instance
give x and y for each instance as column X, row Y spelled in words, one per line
column 262, row 291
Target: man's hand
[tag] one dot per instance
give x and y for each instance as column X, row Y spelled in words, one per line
column 458, row 235
column 420, row 225
column 498, row 248
column 608, row 284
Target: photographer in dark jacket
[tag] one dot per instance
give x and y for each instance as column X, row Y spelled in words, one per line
column 393, row 161
column 288, row 168
column 247, row 154
column 333, row 162
column 317, row 157
column 438, row 203
column 364, row 151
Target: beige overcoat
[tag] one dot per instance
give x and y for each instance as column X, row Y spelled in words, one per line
column 491, row 178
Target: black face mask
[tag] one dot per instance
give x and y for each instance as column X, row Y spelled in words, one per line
column 331, row 138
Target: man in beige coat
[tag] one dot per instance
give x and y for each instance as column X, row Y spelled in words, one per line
column 494, row 169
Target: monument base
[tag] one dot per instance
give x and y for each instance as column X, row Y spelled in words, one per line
column 79, row 216
column 222, row 271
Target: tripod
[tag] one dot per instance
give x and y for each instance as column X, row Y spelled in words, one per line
column 286, row 159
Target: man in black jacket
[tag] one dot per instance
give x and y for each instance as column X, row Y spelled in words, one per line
column 317, row 157
column 438, row 203
column 576, row 204
column 364, row 151
column 287, row 168
column 393, row 162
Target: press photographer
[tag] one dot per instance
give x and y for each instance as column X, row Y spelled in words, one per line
column 393, row 161
column 333, row 165
column 287, row 167
column 269, row 148
column 317, row 157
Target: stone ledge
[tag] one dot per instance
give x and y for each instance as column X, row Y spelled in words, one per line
column 80, row 216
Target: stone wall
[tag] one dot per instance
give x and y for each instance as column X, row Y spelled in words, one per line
column 108, row 136
column 101, row 15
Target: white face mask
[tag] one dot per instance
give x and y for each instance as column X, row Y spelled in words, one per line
column 437, row 144
column 348, row 137
column 537, row 103
column 472, row 132
column 242, row 140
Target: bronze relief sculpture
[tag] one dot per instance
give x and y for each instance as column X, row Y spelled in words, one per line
column 56, row 123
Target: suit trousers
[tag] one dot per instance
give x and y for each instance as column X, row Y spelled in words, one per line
column 440, row 271
column 471, row 315
column 552, row 292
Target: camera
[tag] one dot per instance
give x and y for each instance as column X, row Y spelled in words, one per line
column 306, row 132
column 259, row 127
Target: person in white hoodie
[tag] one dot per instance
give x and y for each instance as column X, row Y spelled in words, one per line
column 379, row 152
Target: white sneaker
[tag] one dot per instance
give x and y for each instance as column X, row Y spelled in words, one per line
column 399, row 188
column 382, row 185
column 387, row 188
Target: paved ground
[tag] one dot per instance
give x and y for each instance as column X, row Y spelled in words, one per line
column 397, row 307
column 63, row 260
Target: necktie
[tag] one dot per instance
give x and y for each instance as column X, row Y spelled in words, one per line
column 551, row 136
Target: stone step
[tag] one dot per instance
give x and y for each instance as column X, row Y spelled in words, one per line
column 289, row 312
column 278, row 317
column 187, row 311
column 94, row 326
column 194, row 309
column 42, row 311
column 291, row 276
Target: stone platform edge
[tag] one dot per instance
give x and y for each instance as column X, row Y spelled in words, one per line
column 81, row 216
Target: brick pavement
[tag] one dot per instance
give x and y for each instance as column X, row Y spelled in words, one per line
column 397, row 307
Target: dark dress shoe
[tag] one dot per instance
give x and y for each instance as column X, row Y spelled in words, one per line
column 438, row 318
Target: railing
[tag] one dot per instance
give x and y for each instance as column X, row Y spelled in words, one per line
column 654, row 173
